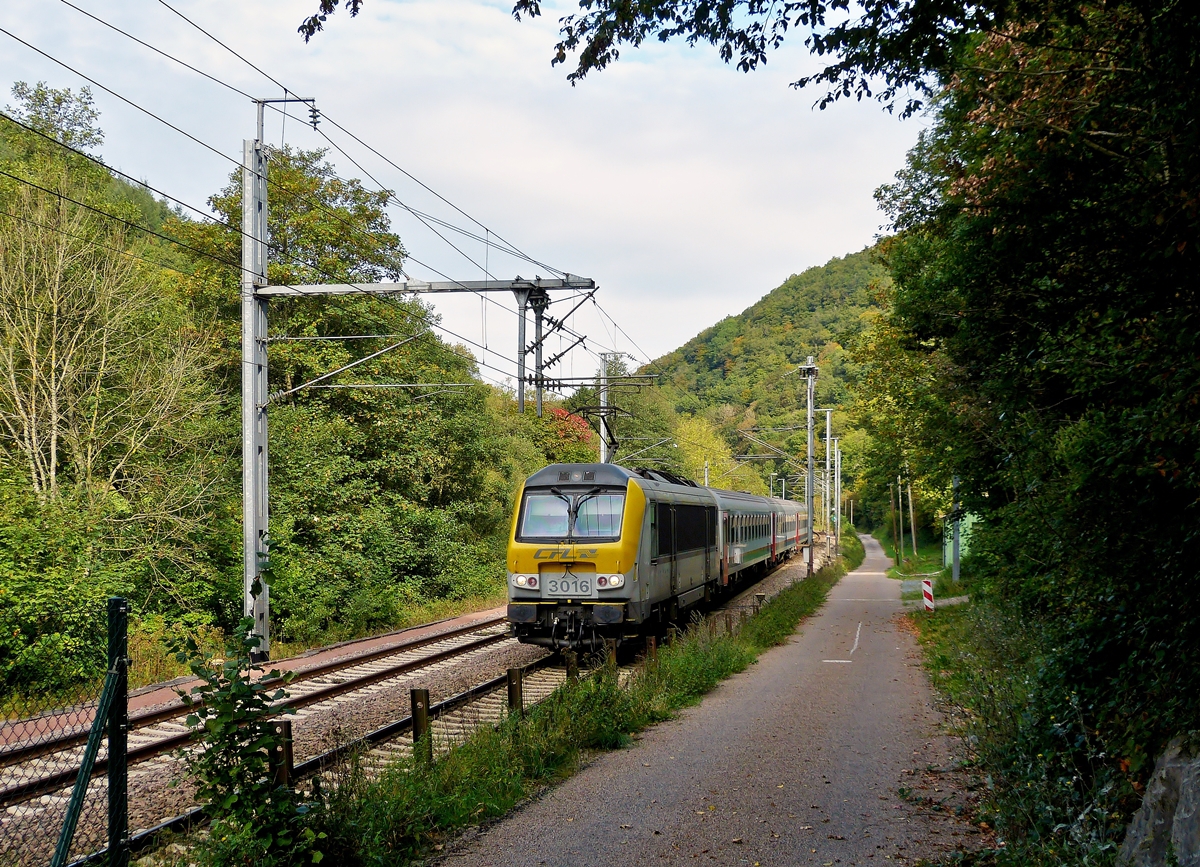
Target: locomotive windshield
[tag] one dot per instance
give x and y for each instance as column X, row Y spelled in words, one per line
column 556, row 515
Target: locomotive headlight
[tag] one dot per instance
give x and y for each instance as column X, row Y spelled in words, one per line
column 610, row 582
column 524, row 581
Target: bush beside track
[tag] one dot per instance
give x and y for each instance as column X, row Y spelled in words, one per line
column 1048, row 792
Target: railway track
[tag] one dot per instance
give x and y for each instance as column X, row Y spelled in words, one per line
column 338, row 685
column 32, row 769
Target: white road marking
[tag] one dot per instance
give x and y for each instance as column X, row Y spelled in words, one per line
column 856, row 635
column 837, row 660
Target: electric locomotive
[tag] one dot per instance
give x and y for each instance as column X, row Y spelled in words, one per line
column 599, row 551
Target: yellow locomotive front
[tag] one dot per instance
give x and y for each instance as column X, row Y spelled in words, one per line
column 573, row 555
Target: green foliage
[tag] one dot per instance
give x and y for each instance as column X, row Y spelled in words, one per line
column 52, row 594
column 1046, row 268
column 1051, row 797
column 1045, row 299
column 735, row 377
column 740, row 361
column 231, row 711
column 778, row 618
column 853, row 552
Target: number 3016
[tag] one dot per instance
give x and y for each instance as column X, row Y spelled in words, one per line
column 569, row 587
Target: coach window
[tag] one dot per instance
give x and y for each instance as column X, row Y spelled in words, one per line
column 689, row 528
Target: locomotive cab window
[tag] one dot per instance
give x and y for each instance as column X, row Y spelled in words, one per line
column 561, row 516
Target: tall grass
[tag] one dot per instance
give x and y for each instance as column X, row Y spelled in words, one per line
column 1048, row 790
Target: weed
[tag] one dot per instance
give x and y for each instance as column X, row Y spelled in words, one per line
column 1050, row 793
column 256, row 820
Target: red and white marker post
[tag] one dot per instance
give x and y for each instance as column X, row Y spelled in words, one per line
column 927, row 592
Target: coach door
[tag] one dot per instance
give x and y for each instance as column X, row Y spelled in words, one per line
column 666, row 569
column 723, row 548
column 710, row 539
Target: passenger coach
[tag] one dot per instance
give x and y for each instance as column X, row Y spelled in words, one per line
column 598, row 551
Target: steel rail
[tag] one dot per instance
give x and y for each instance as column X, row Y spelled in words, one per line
column 26, row 752
column 62, row 779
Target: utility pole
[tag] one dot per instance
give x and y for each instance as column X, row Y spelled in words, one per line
column 706, row 472
column 837, row 497
column 912, row 518
column 538, row 301
column 522, row 296
column 900, row 517
column 256, row 594
column 783, row 488
column 810, row 374
column 892, row 503
column 957, row 521
column 604, row 408
column 773, row 475
column 827, row 511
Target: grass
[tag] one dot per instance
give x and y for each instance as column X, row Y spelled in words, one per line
column 415, row 806
column 1047, row 790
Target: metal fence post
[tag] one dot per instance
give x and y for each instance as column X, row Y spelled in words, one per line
column 95, row 736
column 118, row 733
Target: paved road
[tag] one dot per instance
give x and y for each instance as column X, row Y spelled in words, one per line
column 796, row 761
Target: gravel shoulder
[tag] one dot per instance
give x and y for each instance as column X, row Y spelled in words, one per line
column 800, row 760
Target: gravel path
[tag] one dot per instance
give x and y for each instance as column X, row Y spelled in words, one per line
column 798, row 761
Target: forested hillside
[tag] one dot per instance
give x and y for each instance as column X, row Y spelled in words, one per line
column 738, row 376
column 739, row 361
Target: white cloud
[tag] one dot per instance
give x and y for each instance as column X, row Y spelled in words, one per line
column 685, row 188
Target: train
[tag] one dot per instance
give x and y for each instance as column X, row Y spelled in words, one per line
column 603, row 553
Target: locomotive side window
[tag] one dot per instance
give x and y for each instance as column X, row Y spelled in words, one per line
column 664, row 544
column 689, row 527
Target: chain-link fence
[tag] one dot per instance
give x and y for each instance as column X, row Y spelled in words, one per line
column 63, row 786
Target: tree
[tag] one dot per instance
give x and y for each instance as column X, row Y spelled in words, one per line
column 892, row 50
column 97, row 366
column 106, row 478
column 701, row 445
column 1045, row 269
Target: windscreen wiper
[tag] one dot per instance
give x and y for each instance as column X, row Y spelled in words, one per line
column 570, row 513
column 574, row 511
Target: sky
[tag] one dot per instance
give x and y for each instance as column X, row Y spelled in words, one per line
column 686, row 189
